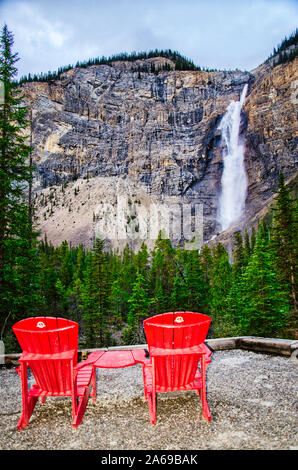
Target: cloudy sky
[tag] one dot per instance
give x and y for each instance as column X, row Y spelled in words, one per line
column 223, row 34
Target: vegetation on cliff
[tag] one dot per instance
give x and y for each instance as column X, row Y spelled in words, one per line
column 286, row 51
column 180, row 63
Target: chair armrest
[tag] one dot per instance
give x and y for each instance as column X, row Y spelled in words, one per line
column 141, row 356
column 90, row 360
column 175, row 352
column 66, row 355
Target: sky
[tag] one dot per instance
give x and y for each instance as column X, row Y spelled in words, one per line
column 221, row 34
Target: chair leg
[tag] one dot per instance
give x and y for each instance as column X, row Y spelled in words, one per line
column 27, row 412
column 28, row 403
column 152, row 407
column 94, row 384
column 203, row 395
column 80, row 409
column 205, row 407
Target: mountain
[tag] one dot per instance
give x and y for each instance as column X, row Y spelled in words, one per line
column 124, row 138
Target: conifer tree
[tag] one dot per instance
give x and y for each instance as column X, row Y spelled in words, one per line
column 139, row 303
column 284, row 240
column 156, row 276
column 19, row 288
column 247, row 247
column 142, row 260
column 238, row 252
column 74, row 292
column 265, row 306
column 252, row 239
column 66, row 264
column 91, row 315
column 220, row 286
column 95, row 296
column 159, row 302
column 116, row 302
column 127, row 276
column 235, row 295
column 193, row 286
column 206, row 262
column 180, row 295
column 162, row 273
column 198, row 287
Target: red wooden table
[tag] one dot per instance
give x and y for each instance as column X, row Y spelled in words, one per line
column 116, row 359
column 125, row 358
column 121, row 358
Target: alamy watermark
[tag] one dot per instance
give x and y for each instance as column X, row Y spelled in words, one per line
column 126, row 220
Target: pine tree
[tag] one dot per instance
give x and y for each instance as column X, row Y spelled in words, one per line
column 126, row 278
column 252, row 239
column 247, row 247
column 284, row 241
column 50, row 287
column 265, row 306
column 159, row 302
column 238, row 253
column 66, row 264
column 95, row 297
column 19, row 276
column 162, row 274
column 142, row 260
column 220, row 282
column 206, row 262
column 156, row 276
column 180, row 295
column 74, row 290
column 91, row 316
column 193, row 294
column 116, row 302
column 236, row 305
column 235, row 297
column 139, row 303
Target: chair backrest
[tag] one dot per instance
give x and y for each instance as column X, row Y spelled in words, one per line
column 49, row 335
column 172, row 340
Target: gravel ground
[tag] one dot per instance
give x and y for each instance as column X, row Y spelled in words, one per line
column 252, row 399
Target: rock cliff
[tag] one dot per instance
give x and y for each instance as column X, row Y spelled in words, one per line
column 109, row 132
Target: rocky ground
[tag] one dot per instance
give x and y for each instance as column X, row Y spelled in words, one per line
column 252, row 399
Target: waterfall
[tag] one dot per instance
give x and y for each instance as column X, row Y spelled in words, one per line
column 233, row 181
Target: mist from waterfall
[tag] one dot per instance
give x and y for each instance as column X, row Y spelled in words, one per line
column 233, row 181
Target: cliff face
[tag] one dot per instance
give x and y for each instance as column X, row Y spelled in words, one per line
column 271, row 134
column 107, row 130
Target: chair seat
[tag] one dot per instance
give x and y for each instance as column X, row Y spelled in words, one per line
column 194, row 385
column 83, row 379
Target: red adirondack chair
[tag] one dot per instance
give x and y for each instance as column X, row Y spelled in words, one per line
column 50, row 347
column 176, row 347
